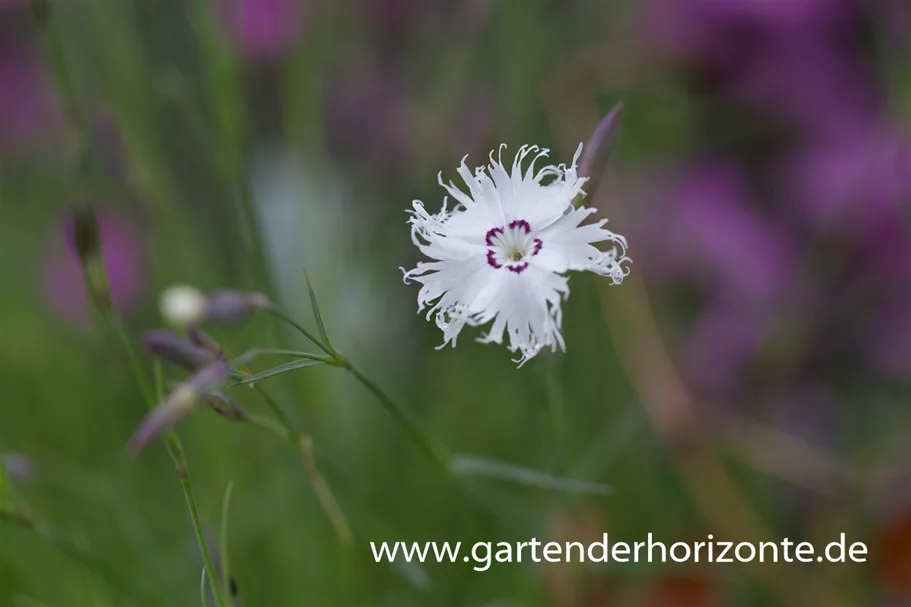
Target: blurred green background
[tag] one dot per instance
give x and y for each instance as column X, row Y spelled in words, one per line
column 751, row 374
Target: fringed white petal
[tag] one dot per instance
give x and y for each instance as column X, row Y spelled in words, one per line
column 500, row 255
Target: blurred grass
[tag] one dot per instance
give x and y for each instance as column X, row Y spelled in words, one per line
column 70, row 404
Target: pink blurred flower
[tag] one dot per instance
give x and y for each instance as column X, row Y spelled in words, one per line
column 124, row 259
column 263, row 29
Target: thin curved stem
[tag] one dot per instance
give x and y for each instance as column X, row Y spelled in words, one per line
column 304, row 444
column 277, row 312
column 430, row 446
column 175, row 450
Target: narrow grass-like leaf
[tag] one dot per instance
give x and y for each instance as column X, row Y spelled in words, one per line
column 280, row 369
column 316, row 314
column 475, row 466
column 203, row 600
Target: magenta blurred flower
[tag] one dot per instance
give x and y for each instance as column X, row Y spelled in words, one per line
column 720, row 347
column 263, row 29
column 722, row 30
column 853, row 179
column 812, row 84
column 712, row 234
column 124, row 261
column 790, row 60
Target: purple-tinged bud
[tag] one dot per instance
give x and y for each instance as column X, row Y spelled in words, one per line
column 201, row 339
column 232, row 307
column 85, row 233
column 18, row 467
column 172, row 348
column 226, row 407
column 98, row 261
column 600, row 145
column 180, row 403
column 184, row 306
column 86, row 239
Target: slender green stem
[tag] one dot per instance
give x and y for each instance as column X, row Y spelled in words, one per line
column 304, row 444
column 294, row 353
column 113, row 320
column 436, row 451
column 227, row 99
column 175, row 450
column 274, row 311
column 279, row 413
column 208, row 563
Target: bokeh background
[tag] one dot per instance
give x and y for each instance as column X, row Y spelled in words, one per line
column 750, row 378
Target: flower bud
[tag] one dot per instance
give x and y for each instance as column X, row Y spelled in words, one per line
column 232, row 307
column 600, row 144
column 85, row 233
column 180, row 403
column 183, row 306
column 201, row 339
column 170, row 347
column 85, row 236
column 226, row 407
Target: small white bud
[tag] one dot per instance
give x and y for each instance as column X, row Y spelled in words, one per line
column 182, row 306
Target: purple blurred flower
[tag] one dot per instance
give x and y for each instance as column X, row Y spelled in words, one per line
column 854, row 179
column 711, row 234
column 721, row 30
column 814, row 85
column 179, row 403
column 263, row 29
column 720, row 347
column 790, row 60
column 172, row 348
column 124, row 261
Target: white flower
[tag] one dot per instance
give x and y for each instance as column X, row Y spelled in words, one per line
column 501, row 254
column 182, row 305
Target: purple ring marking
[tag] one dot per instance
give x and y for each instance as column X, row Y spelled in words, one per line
column 516, row 223
column 493, row 233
